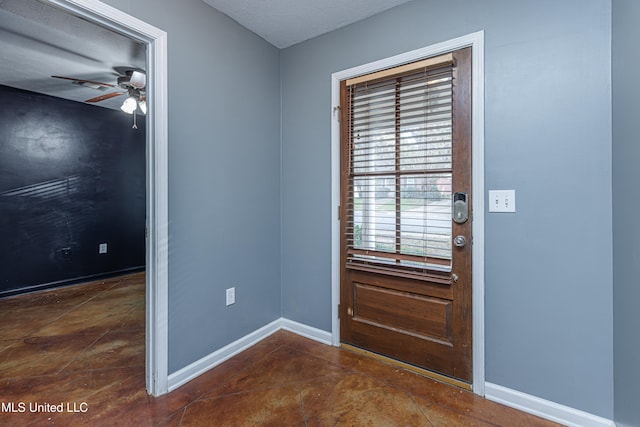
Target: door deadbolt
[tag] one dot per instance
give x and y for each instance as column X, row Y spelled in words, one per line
column 460, row 207
column 459, row 241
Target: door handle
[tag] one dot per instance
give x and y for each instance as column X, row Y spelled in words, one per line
column 460, row 241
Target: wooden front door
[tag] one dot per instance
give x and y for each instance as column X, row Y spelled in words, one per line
column 405, row 286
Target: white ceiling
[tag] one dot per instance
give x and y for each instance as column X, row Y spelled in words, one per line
column 38, row 41
column 286, row 22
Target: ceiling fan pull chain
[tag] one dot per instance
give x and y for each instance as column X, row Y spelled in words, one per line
column 135, row 126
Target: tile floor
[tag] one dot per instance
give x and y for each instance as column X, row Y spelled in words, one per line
column 83, row 347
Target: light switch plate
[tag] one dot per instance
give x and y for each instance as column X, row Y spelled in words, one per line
column 502, row 200
column 231, row 296
column 102, row 248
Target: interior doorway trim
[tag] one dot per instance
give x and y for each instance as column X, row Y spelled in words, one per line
column 476, row 42
column 156, row 176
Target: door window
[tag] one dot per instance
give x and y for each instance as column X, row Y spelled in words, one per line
column 399, row 167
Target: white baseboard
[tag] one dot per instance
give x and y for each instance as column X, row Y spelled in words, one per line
column 306, row 331
column 212, row 360
column 544, row 408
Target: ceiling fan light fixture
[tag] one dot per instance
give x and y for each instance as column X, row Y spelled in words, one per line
column 129, row 105
column 143, row 106
column 138, row 80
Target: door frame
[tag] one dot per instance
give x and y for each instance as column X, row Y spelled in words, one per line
column 157, row 273
column 476, row 42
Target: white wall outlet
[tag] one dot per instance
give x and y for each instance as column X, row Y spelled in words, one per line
column 502, row 200
column 102, row 248
column 231, row 296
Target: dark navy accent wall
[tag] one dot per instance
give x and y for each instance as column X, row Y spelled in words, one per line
column 72, row 176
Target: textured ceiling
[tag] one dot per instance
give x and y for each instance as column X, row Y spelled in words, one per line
column 286, row 22
column 38, row 41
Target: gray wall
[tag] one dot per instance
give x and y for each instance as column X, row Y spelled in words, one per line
column 626, row 193
column 549, row 291
column 224, row 176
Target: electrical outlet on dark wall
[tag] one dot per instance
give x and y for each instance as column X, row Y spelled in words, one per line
column 72, row 176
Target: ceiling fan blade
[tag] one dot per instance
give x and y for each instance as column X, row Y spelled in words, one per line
column 83, row 81
column 103, row 97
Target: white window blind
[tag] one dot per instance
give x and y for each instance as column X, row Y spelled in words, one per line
column 400, row 168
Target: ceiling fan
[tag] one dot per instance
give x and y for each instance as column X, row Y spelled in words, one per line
column 133, row 81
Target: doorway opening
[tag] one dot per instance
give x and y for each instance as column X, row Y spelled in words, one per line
column 156, row 175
